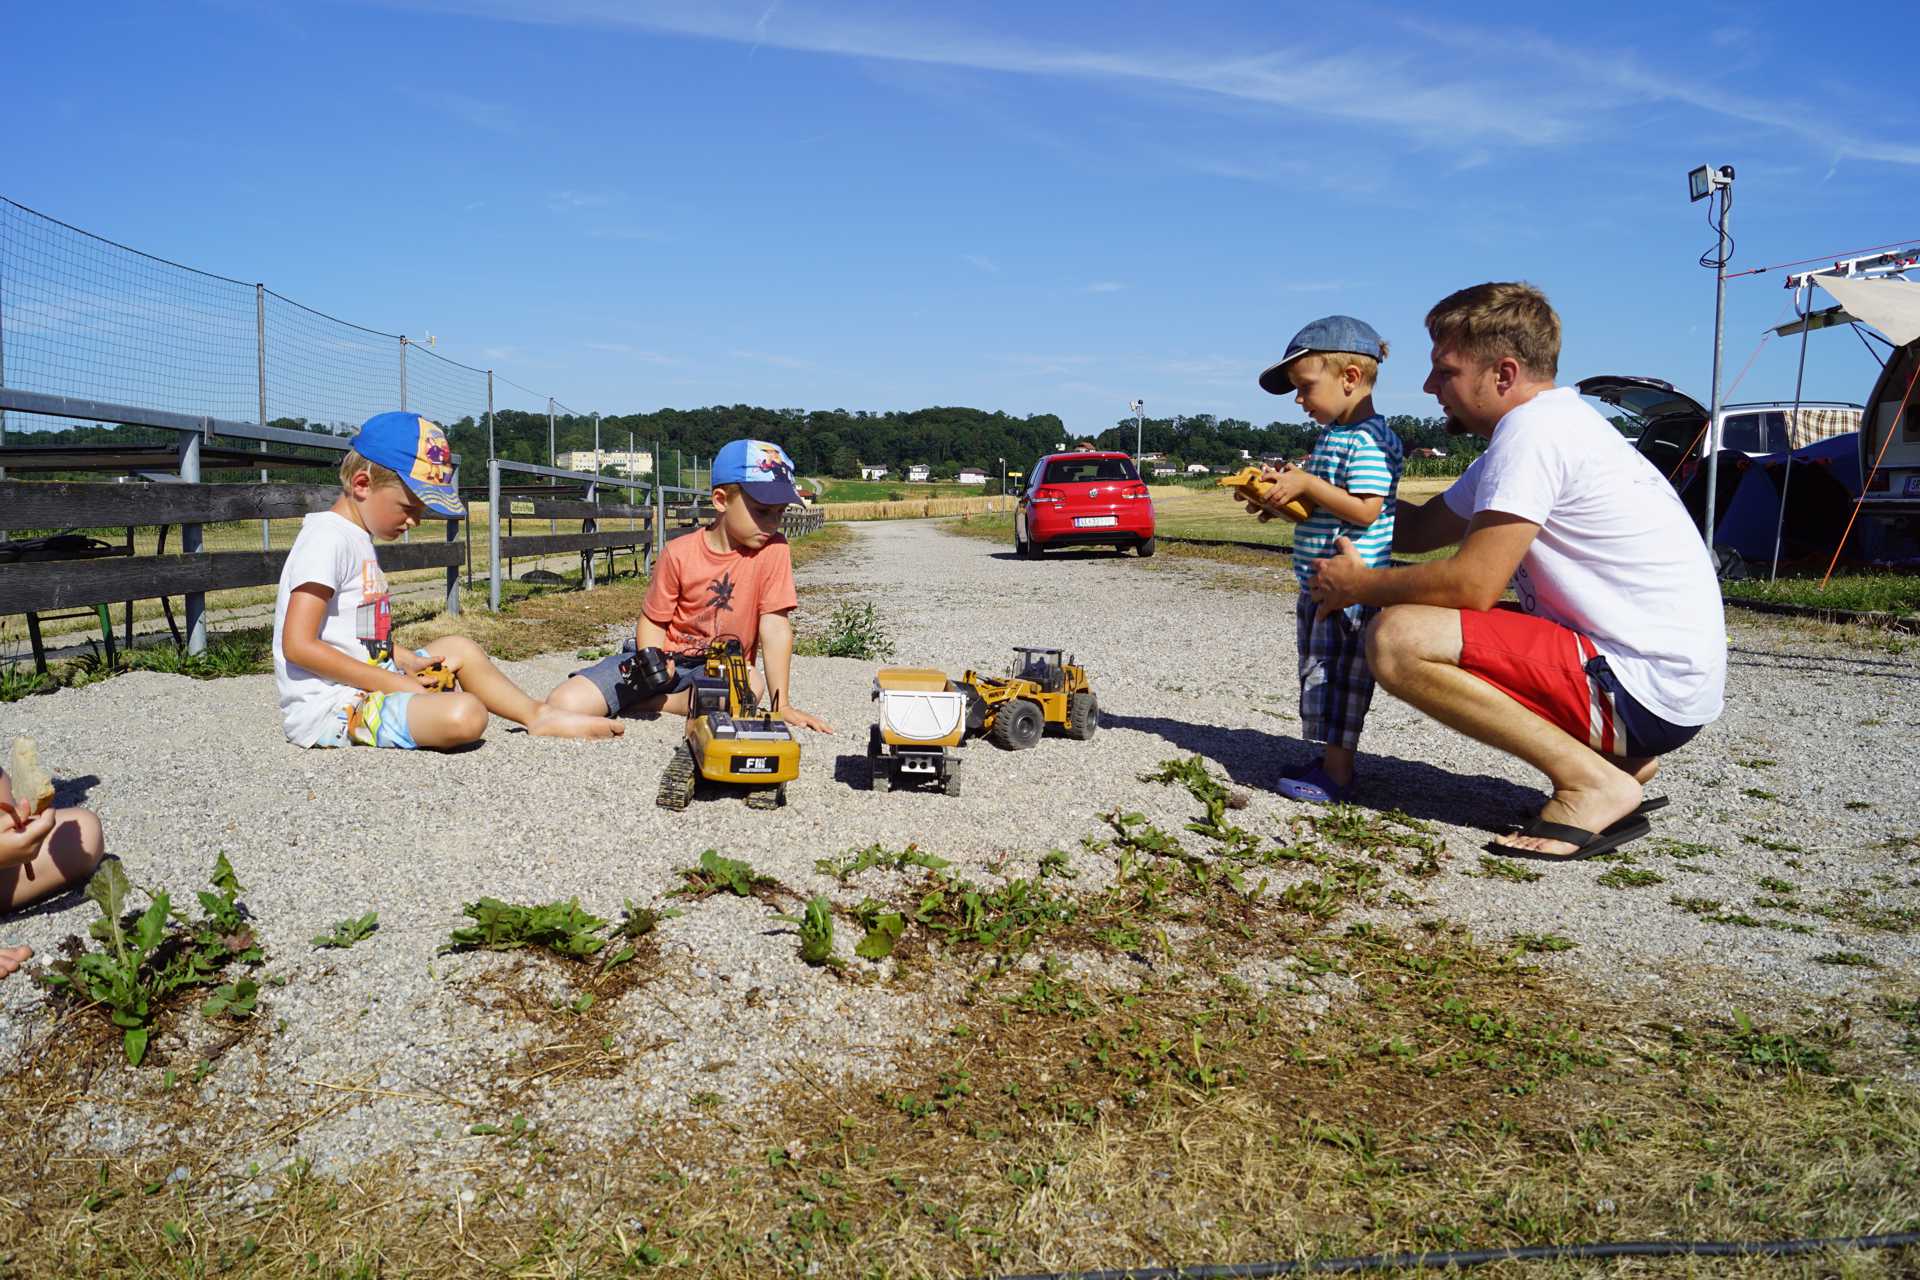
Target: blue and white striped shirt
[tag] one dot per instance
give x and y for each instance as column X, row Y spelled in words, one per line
column 1364, row 458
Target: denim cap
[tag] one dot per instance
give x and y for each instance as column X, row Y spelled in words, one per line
column 763, row 471
column 417, row 450
column 1329, row 333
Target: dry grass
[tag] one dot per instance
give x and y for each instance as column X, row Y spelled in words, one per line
column 915, row 508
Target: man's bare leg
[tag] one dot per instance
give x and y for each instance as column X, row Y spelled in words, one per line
column 1414, row 652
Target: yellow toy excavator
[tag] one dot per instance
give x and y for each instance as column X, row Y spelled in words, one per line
column 730, row 741
column 1249, row 487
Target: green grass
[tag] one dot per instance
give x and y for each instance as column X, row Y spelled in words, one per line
column 1892, row 593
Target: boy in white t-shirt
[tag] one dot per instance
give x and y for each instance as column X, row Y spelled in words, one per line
column 341, row 681
column 1616, row 653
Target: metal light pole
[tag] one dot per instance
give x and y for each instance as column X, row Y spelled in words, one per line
column 1138, row 407
column 1003, row 477
column 1702, row 183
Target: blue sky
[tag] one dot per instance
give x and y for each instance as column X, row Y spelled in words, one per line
column 1045, row 208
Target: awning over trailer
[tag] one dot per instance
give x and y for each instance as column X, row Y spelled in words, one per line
column 1891, row 306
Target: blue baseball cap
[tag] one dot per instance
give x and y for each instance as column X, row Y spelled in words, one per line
column 763, row 471
column 1329, row 333
column 418, row 451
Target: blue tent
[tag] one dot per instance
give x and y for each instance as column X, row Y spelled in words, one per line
column 1821, row 488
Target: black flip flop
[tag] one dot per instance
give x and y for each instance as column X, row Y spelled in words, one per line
column 1591, row 844
column 1647, row 806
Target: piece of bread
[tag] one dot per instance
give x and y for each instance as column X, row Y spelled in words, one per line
column 32, row 785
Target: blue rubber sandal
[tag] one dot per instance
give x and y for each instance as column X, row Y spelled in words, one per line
column 1315, row 787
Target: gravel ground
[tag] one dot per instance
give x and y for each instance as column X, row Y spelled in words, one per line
column 1805, row 779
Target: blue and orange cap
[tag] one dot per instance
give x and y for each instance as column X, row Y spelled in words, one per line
column 417, row 450
column 763, row 471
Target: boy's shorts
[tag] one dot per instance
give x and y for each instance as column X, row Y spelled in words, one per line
column 605, row 676
column 1560, row 676
column 374, row 719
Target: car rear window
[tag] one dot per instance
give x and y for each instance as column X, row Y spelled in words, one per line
column 1088, row 470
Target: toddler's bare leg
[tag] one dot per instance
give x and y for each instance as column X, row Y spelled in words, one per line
column 70, row 853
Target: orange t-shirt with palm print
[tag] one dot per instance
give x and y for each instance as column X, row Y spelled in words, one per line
column 699, row 594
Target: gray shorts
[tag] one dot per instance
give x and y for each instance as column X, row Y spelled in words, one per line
column 605, row 676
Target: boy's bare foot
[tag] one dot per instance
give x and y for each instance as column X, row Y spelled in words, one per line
column 12, row 958
column 552, row 722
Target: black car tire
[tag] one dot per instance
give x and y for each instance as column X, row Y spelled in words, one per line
column 1144, row 547
column 1017, row 725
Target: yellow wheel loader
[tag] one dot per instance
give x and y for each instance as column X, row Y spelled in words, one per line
column 1041, row 690
column 730, row 741
column 1247, row 486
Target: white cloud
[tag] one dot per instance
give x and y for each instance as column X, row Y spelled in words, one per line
column 1105, row 286
column 772, row 358
column 1512, row 87
column 981, row 262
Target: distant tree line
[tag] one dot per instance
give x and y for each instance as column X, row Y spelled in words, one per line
column 837, row 442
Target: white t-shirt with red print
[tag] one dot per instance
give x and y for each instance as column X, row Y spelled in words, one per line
column 332, row 552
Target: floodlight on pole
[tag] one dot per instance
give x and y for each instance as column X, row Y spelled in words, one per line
column 1702, row 184
column 1138, row 407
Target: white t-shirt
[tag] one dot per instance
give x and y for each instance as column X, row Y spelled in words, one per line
column 333, row 552
column 1617, row 558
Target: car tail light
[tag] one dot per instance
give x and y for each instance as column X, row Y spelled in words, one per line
column 1880, row 482
column 1044, row 494
column 1134, row 491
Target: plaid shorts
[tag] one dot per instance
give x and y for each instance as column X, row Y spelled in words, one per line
column 1336, row 686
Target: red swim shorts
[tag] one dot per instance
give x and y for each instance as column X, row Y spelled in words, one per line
column 1560, row 676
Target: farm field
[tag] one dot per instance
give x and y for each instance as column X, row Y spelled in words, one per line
column 1118, row 1003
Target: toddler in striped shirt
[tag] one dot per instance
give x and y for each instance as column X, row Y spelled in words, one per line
column 1349, row 481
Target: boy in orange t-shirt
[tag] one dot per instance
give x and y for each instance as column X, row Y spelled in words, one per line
column 732, row 578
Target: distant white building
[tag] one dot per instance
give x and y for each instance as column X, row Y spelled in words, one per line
column 971, row 475
column 637, row 463
column 919, row 473
column 1163, row 469
column 873, row 473
column 1197, row 468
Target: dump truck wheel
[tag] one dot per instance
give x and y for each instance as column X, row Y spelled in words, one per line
column 677, row 780
column 951, row 786
column 1083, row 715
column 873, row 740
column 1017, row 725
column 881, row 777
column 1144, row 547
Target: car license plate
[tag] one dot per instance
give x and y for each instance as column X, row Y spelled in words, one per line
column 1095, row 522
column 753, row 764
column 1913, row 486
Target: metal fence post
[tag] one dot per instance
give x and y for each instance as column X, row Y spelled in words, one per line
column 589, row 525
column 403, row 372
column 3, row 360
column 490, row 450
column 260, row 360
column 596, row 444
column 196, row 602
column 553, row 460
column 453, row 570
column 493, row 534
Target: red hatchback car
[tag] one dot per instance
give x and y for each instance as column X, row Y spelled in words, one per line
column 1084, row 499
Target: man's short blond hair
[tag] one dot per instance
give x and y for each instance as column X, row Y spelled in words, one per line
column 1332, row 362
column 1498, row 319
column 380, row 477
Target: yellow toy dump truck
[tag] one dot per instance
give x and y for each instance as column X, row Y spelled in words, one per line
column 922, row 720
column 1041, row 690
column 1249, row 487
column 730, row 741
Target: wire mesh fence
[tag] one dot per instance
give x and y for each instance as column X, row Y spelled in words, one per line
column 86, row 317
